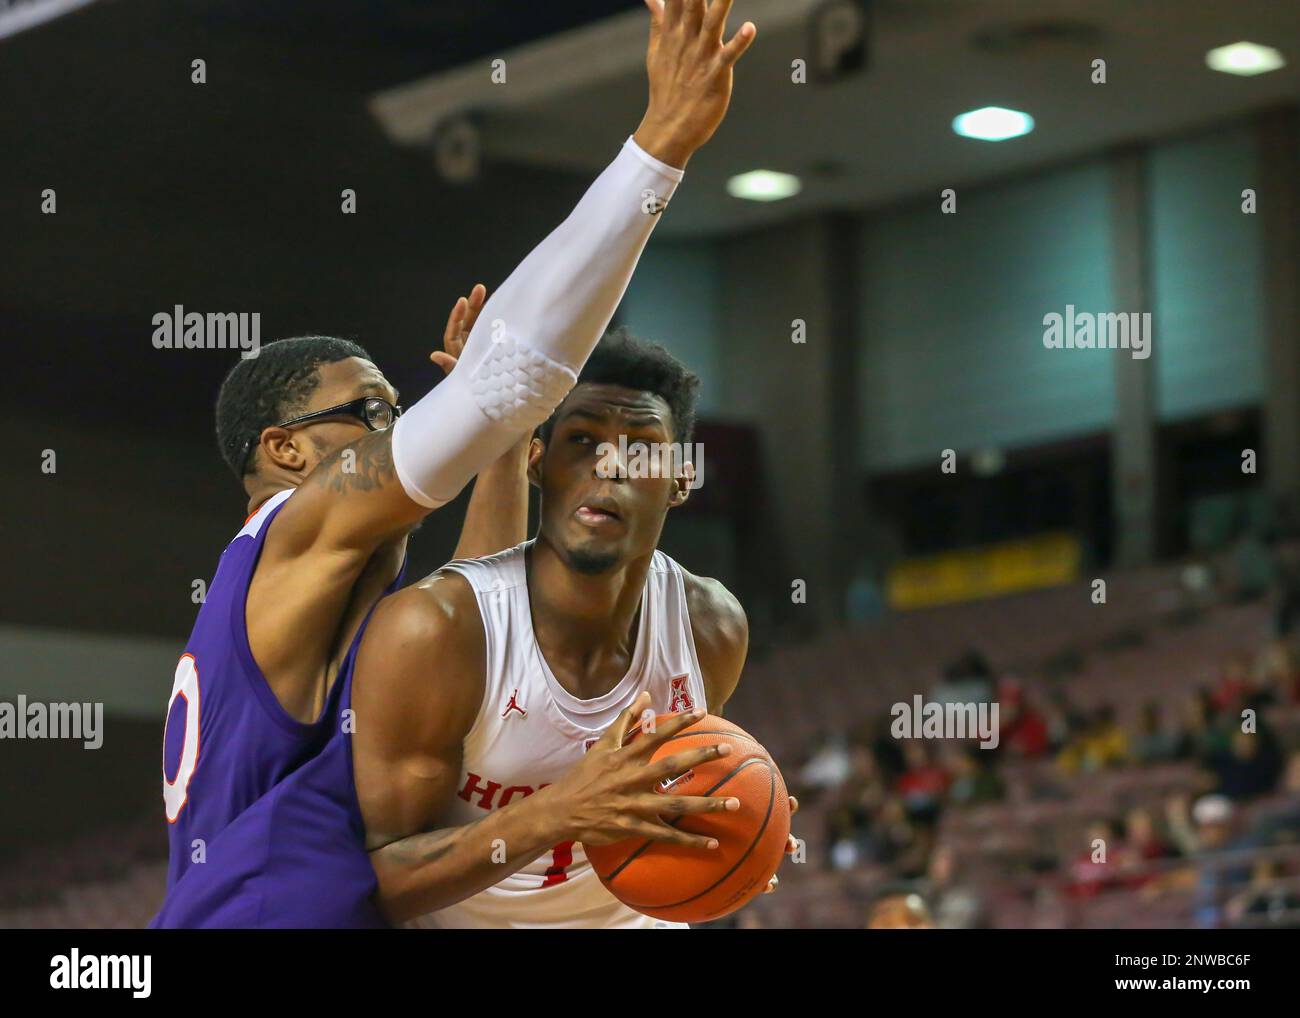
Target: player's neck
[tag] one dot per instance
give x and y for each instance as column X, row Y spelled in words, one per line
column 266, row 487
column 578, row 614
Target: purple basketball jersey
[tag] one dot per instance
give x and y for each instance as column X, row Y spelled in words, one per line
column 263, row 822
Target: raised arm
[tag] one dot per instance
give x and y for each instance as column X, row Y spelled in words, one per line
column 497, row 515
column 520, row 360
column 539, row 327
column 416, row 692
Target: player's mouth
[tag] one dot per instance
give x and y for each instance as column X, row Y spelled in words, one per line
column 597, row 512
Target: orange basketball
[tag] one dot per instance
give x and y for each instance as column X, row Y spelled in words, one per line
column 691, row 885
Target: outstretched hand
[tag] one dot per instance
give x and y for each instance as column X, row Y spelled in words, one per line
column 690, row 64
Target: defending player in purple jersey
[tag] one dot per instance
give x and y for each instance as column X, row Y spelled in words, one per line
column 233, row 819
column 231, row 742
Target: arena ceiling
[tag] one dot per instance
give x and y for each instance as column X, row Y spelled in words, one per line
column 883, row 134
column 869, row 139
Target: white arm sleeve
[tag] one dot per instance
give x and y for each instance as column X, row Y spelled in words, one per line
column 535, row 333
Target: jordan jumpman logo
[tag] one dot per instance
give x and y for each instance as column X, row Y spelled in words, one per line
column 514, row 705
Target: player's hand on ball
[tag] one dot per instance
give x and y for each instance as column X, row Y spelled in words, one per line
column 459, row 325
column 611, row 796
column 791, row 846
column 690, row 64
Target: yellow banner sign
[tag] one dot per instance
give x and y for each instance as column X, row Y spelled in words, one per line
column 1045, row 560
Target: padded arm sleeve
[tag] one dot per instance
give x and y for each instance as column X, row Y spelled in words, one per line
column 535, row 333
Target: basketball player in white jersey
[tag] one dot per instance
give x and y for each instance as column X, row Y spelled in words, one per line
column 480, row 689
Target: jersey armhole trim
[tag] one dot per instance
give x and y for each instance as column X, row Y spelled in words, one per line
column 680, row 578
column 257, row 681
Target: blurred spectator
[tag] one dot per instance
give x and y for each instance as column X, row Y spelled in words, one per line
column 1250, row 767
column 1275, row 670
column 1143, row 845
column 866, row 785
column 1232, row 685
column 1101, row 744
column 1024, row 730
column 969, row 679
column 1217, row 872
column 1291, row 775
column 849, row 837
column 1098, row 864
column 923, row 782
column 828, row 766
column 1142, row 837
column 1199, row 739
column 974, row 779
column 1272, row 899
column 1179, row 823
column 899, row 909
column 1279, row 824
column 1063, row 719
column 887, row 750
column 896, row 834
column 956, row 904
column 1154, row 743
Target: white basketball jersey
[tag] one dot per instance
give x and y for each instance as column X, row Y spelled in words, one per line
column 530, row 731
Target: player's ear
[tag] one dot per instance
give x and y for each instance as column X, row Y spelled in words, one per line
column 281, row 448
column 536, row 450
column 683, row 482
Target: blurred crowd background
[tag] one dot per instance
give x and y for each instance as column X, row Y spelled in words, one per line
column 1123, row 792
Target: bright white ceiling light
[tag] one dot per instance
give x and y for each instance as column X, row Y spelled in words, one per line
column 993, row 123
column 1244, row 58
column 764, row 185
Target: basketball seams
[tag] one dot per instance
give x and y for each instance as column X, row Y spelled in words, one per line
column 736, row 733
column 689, row 732
column 767, row 819
column 673, row 823
column 648, row 843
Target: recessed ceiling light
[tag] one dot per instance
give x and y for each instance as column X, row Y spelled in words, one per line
column 1244, row 58
column 764, row 185
column 993, row 123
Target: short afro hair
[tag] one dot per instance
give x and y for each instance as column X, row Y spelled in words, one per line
column 622, row 359
column 262, row 391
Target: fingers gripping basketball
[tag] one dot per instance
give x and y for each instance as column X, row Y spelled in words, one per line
column 683, row 884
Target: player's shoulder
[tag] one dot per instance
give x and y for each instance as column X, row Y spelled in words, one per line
column 440, row 609
column 709, row 595
column 716, row 613
column 720, row 632
column 420, row 668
